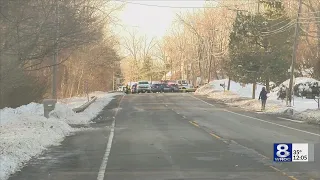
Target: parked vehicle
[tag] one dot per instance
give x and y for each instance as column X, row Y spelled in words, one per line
column 174, row 87
column 169, row 82
column 183, row 84
column 143, row 86
column 166, row 88
column 155, row 88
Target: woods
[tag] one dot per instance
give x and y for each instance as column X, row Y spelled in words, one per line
column 247, row 41
column 31, row 31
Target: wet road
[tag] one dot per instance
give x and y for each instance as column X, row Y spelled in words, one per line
column 176, row 137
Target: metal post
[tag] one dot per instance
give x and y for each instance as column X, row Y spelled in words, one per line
column 229, row 83
column 55, row 55
column 292, row 95
column 295, row 45
column 254, row 85
column 287, row 96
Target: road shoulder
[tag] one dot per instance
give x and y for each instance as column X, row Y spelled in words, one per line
column 78, row 156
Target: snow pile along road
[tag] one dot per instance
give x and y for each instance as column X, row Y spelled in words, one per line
column 310, row 115
column 62, row 111
column 27, row 137
column 242, row 90
column 240, row 95
column 25, row 132
column 233, row 99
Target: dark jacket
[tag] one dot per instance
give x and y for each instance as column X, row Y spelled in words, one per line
column 263, row 95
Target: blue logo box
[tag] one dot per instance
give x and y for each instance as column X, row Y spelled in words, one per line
column 282, row 152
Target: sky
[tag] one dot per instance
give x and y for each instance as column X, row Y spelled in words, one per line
column 154, row 21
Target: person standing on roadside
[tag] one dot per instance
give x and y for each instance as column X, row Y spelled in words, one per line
column 127, row 89
column 263, row 96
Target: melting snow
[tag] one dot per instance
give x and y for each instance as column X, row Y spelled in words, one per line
column 240, row 95
column 25, row 132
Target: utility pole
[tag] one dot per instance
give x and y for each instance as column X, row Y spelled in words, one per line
column 113, row 80
column 113, row 75
column 171, row 68
column 294, row 53
column 55, row 54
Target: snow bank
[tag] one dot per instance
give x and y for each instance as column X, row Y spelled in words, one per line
column 233, row 99
column 310, row 115
column 205, row 90
column 243, row 90
column 25, row 132
column 302, row 86
column 30, row 109
column 300, row 80
column 74, row 102
column 240, row 96
column 63, row 112
column 27, row 136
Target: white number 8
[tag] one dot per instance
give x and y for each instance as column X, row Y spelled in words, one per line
column 282, row 148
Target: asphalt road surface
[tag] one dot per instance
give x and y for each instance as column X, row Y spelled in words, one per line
column 176, row 136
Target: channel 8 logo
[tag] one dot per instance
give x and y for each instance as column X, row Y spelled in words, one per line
column 282, row 152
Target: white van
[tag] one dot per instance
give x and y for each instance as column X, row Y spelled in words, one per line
column 183, row 84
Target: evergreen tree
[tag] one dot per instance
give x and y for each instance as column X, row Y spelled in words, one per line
column 260, row 47
column 146, row 69
column 279, row 40
column 246, row 46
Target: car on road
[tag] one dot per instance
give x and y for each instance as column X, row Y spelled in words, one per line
column 164, row 88
column 143, row 86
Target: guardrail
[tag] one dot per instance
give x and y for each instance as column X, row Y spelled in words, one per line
column 113, row 91
column 85, row 105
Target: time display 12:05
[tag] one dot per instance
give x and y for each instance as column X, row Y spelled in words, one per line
column 299, row 157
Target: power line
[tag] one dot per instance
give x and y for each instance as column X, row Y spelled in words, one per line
column 279, row 23
column 308, row 22
column 310, row 12
column 308, row 18
column 278, row 31
column 281, row 29
column 178, row 7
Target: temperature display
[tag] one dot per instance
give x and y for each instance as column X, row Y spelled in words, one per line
column 293, row 152
column 299, row 152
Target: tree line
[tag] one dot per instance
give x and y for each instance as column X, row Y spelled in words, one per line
column 32, row 31
column 245, row 41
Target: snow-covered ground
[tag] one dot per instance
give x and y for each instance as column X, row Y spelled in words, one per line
column 240, row 96
column 25, row 132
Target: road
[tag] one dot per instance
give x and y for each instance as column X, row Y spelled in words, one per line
column 176, row 137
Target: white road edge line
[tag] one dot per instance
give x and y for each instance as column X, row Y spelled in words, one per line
column 290, row 120
column 202, row 101
column 104, row 163
column 307, row 132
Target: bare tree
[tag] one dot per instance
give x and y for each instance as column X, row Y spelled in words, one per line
column 31, row 29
